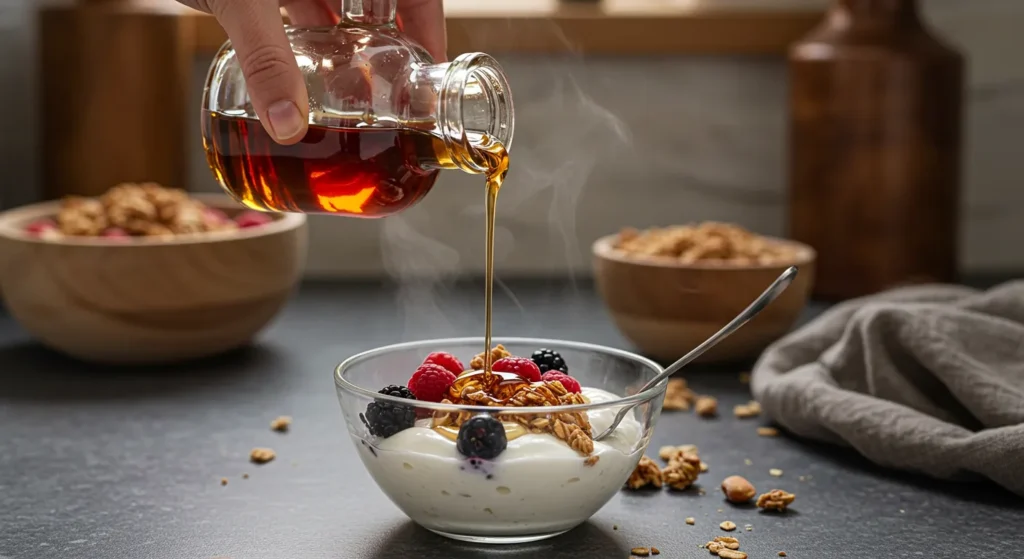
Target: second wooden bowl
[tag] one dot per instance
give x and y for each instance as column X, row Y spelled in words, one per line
column 666, row 308
column 148, row 301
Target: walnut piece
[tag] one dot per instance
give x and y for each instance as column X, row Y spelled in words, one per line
column 640, row 551
column 281, row 424
column 646, row 473
column 82, row 217
column 682, row 470
column 690, row 520
column 776, row 499
column 767, row 431
column 728, row 526
column 262, row 455
column 707, row 406
column 678, row 396
column 731, row 554
column 497, row 352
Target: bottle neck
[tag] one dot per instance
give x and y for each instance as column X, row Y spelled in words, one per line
column 368, row 12
column 888, row 13
column 471, row 104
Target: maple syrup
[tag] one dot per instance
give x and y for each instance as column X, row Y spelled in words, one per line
column 365, row 172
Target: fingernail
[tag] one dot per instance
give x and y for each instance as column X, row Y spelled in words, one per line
column 285, row 120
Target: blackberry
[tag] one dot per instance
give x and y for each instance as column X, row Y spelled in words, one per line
column 549, row 360
column 384, row 419
column 482, row 437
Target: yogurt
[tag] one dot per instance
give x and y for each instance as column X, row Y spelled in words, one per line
column 538, row 485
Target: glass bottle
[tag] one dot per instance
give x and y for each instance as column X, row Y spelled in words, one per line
column 384, row 119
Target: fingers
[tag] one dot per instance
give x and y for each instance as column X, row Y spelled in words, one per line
column 423, row 20
column 275, row 85
column 310, row 13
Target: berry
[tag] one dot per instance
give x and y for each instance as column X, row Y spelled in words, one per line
column 549, row 360
column 40, row 227
column 115, row 233
column 215, row 218
column 446, row 360
column 518, row 365
column 252, row 219
column 384, row 419
column 482, row 437
column 569, row 383
column 430, row 382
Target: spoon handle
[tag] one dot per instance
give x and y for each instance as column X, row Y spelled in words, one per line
column 762, row 301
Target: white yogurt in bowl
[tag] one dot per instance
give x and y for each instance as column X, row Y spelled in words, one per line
column 538, row 485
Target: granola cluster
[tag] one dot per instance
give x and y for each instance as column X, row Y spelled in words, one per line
column 497, row 352
column 139, row 210
column 710, row 242
column 682, row 468
column 678, row 395
column 572, row 427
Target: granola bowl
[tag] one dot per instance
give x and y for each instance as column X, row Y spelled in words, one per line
column 143, row 301
column 518, row 466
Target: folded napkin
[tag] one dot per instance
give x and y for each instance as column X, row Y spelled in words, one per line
column 927, row 379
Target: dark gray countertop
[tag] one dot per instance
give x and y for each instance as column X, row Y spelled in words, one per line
column 100, row 463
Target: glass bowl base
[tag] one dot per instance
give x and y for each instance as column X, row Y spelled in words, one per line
column 499, row 540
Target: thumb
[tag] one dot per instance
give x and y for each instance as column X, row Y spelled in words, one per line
column 272, row 76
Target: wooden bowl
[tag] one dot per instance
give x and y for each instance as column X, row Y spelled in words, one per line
column 148, row 301
column 668, row 308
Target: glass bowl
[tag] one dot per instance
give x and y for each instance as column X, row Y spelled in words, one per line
column 539, row 486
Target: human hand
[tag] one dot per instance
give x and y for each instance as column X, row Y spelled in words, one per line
column 275, row 85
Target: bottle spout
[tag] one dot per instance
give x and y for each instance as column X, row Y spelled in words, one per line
column 474, row 109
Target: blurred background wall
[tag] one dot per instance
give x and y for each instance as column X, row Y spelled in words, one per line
column 604, row 142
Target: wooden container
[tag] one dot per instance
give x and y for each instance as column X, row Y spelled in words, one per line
column 667, row 308
column 149, row 301
column 875, row 112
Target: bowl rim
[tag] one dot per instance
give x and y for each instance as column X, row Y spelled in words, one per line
column 639, row 397
column 282, row 223
column 604, row 248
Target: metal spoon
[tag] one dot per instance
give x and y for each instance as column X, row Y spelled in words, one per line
column 762, row 301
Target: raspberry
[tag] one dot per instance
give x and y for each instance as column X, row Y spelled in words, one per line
column 213, row 216
column 115, row 233
column 519, row 365
column 446, row 360
column 569, row 383
column 39, row 227
column 430, row 382
column 252, row 219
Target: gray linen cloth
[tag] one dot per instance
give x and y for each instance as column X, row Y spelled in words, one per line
column 928, row 379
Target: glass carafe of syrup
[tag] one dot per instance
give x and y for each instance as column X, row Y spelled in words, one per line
column 384, row 119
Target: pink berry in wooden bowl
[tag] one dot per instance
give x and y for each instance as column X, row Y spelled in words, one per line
column 115, row 233
column 215, row 216
column 252, row 219
column 40, row 227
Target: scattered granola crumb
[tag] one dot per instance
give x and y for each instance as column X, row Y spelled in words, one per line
column 737, row 489
column 646, row 473
column 223, row 481
column 655, row 551
column 776, row 499
column 782, row 554
column 744, row 411
column 775, row 472
column 591, row 460
column 690, row 520
column 706, row 406
column 615, row 526
column 701, row 492
column 678, row 396
column 748, row 462
column 732, row 554
column 245, row 476
column 281, row 424
column 802, row 478
column 768, row 431
column 262, row 455
column 704, row 467
column 728, row 526
column 640, row 551
column 748, row 527
column 902, row 511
